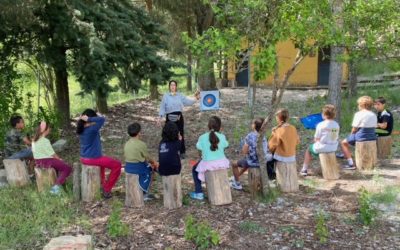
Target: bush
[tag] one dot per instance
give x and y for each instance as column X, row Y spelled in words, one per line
column 200, row 233
column 321, row 229
column 115, row 227
column 368, row 212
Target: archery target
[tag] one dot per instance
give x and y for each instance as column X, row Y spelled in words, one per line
column 209, row 100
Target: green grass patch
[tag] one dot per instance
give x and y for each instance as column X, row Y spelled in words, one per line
column 200, row 233
column 387, row 196
column 29, row 218
column 251, row 227
column 271, row 196
column 115, row 227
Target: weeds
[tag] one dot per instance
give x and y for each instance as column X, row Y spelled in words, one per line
column 115, row 227
column 251, row 227
column 311, row 185
column 367, row 211
column 321, row 229
column 271, row 196
column 387, row 196
column 200, row 233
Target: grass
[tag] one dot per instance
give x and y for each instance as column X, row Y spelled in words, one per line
column 28, row 218
column 251, row 227
column 387, row 196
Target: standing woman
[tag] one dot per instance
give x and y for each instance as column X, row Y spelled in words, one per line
column 88, row 129
column 172, row 106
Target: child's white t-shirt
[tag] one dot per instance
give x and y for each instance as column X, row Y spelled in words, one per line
column 328, row 134
column 365, row 119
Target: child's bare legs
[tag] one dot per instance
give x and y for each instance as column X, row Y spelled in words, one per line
column 345, row 145
column 307, row 160
column 236, row 171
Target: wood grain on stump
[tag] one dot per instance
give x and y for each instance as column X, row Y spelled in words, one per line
column 255, row 185
column 45, row 178
column 384, row 147
column 17, row 173
column 133, row 192
column 172, row 191
column 286, row 176
column 90, row 183
column 218, row 189
column 366, row 155
column 330, row 169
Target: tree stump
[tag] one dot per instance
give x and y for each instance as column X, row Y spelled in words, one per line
column 366, row 155
column 286, row 176
column 133, row 192
column 172, row 191
column 90, row 183
column 330, row 169
column 384, row 145
column 218, row 189
column 17, row 174
column 255, row 185
column 45, row 178
column 77, row 181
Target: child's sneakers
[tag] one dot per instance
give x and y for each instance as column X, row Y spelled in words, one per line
column 349, row 167
column 196, row 196
column 303, row 172
column 236, row 185
column 56, row 190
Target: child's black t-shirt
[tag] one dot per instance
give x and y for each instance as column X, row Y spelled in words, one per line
column 169, row 158
column 386, row 116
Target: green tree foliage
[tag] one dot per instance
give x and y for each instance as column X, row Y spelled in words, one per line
column 98, row 40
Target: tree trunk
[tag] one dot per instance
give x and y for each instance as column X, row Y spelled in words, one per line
column 189, row 58
column 101, row 101
column 62, row 91
column 352, row 88
column 76, row 187
column 153, row 90
column 206, row 77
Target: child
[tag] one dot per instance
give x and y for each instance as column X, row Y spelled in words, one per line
column 17, row 143
column 168, row 151
column 88, row 129
column 212, row 145
column 284, row 138
column 325, row 138
column 45, row 156
column 385, row 118
column 249, row 149
column 364, row 124
column 137, row 158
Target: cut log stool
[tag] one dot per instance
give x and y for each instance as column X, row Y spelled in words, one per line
column 254, row 175
column 330, row 169
column 286, row 176
column 133, row 193
column 218, row 189
column 366, row 155
column 90, row 183
column 45, row 178
column 172, row 191
column 17, row 174
column 384, row 145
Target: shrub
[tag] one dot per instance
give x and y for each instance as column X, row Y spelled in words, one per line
column 367, row 211
column 321, row 228
column 115, row 227
column 200, row 233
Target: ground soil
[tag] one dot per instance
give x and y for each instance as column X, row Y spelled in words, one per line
column 287, row 223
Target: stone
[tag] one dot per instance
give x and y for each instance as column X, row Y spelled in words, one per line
column 69, row 242
column 59, row 145
column 3, row 176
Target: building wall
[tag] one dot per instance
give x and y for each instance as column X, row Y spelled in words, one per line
column 306, row 73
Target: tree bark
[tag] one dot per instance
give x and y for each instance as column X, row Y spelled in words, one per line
column 153, row 90
column 62, row 91
column 101, row 101
column 189, row 59
column 352, row 88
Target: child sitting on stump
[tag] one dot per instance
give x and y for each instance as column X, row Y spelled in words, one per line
column 45, row 157
column 212, row 145
column 168, row 151
column 363, row 129
column 249, row 149
column 325, row 138
column 138, row 160
column 284, row 138
column 17, row 143
column 385, row 118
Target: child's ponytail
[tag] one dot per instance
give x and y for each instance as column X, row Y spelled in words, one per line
column 43, row 126
column 214, row 125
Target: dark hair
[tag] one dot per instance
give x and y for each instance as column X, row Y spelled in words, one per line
column 258, row 122
column 81, row 123
column 39, row 132
column 381, row 100
column 170, row 82
column 170, row 132
column 14, row 120
column 214, row 125
column 329, row 111
column 283, row 115
column 134, row 129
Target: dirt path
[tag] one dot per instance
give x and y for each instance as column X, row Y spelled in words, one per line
column 285, row 224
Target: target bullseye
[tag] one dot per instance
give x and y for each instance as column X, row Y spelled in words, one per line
column 209, row 100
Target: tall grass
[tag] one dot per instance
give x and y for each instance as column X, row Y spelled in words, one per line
column 28, row 218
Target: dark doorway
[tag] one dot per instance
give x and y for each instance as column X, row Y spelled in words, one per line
column 323, row 66
column 242, row 75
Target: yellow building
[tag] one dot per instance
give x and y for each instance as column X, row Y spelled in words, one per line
column 313, row 71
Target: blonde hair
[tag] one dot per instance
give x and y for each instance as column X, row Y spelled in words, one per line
column 329, row 111
column 282, row 114
column 365, row 102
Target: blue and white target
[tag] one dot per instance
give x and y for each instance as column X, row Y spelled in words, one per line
column 209, row 100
